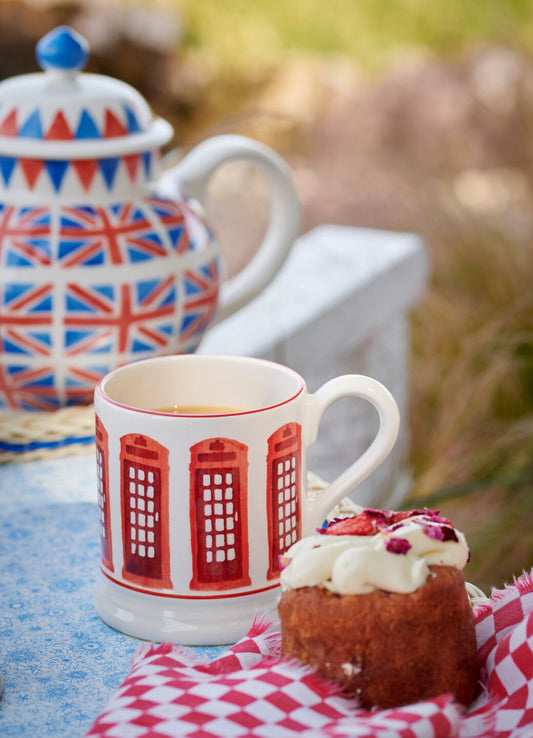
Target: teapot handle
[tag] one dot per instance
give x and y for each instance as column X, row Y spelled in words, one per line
column 194, row 171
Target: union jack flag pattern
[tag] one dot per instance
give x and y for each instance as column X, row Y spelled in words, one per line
column 26, row 334
column 25, row 236
column 87, row 288
column 201, row 286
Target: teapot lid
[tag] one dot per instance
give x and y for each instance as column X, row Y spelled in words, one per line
column 61, row 113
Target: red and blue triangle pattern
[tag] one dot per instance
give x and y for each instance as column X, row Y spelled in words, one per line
column 19, row 123
column 53, row 172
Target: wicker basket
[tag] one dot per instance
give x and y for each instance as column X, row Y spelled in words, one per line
column 35, row 435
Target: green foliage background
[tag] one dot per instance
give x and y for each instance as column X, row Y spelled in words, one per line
column 249, row 35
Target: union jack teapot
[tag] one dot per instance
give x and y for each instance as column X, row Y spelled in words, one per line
column 102, row 260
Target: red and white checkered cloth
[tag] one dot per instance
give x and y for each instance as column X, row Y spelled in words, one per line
column 249, row 692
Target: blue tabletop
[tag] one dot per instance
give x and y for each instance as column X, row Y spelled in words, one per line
column 59, row 661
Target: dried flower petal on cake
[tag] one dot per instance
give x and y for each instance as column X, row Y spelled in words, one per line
column 440, row 532
column 398, row 545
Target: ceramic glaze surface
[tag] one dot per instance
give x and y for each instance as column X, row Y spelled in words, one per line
column 101, row 263
column 196, row 511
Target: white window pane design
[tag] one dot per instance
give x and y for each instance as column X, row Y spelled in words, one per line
column 229, row 508
column 280, row 512
column 150, row 491
column 287, row 464
column 229, row 493
column 142, row 550
column 141, row 474
column 150, row 521
column 142, row 519
column 229, row 523
column 133, row 502
column 293, row 521
column 287, row 494
column 208, row 510
column 142, row 535
column 207, row 495
column 287, row 540
column 208, row 526
column 133, row 548
column 150, row 536
column 280, row 544
column 151, row 552
column 230, row 538
column 219, row 540
column 231, row 554
column 218, row 479
column 293, row 477
column 280, row 467
column 218, row 493
column 219, row 524
column 280, row 482
column 287, row 509
column 229, row 478
column 287, row 526
column 140, row 504
column 140, row 489
column 131, row 471
column 206, row 480
column 219, row 510
column 287, row 479
column 209, row 541
column 209, row 557
column 280, row 498
column 102, row 531
column 281, row 528
column 293, row 490
column 150, row 476
column 150, row 506
column 293, row 536
column 132, row 518
column 133, row 532
column 293, row 462
column 132, row 488
column 220, row 555
column 293, row 506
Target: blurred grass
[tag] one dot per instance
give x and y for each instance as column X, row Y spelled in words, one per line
column 248, row 37
column 472, row 396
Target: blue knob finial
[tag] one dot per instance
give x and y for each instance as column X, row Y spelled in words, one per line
column 63, row 48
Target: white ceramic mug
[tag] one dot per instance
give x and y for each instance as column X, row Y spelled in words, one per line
column 196, row 507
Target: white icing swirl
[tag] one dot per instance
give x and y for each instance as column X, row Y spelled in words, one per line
column 352, row 564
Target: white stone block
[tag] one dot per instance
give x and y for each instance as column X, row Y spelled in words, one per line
column 340, row 305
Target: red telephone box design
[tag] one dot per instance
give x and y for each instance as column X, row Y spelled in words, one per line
column 144, row 485
column 218, row 514
column 102, row 483
column 283, row 492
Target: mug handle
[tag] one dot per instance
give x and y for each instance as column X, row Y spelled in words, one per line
column 194, row 172
column 317, row 508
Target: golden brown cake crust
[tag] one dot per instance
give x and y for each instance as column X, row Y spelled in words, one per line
column 388, row 649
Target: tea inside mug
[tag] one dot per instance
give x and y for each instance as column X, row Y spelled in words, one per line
column 206, row 385
column 201, row 409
